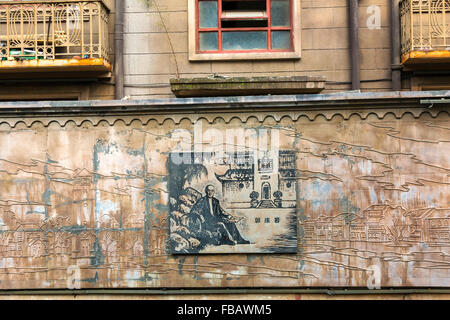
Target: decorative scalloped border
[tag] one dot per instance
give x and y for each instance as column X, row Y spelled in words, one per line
column 212, row 117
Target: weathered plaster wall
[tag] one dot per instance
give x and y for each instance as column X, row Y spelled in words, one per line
column 91, row 191
column 156, row 48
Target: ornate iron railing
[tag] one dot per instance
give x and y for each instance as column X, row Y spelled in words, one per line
column 425, row 25
column 53, row 30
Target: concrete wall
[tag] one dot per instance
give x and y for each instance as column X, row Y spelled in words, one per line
column 153, row 56
column 86, row 190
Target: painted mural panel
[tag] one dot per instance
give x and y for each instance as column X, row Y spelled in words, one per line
column 257, row 207
column 361, row 201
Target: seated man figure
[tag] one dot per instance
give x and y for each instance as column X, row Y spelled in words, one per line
column 212, row 224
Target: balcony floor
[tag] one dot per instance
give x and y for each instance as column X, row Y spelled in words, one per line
column 87, row 68
column 427, row 60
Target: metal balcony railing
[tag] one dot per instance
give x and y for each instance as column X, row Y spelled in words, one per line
column 425, row 26
column 45, row 30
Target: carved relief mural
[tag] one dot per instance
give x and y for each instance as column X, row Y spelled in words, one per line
column 331, row 198
column 254, row 216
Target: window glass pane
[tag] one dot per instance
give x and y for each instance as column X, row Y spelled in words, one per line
column 233, row 5
column 207, row 14
column 281, row 39
column 208, row 41
column 244, row 23
column 249, row 40
column 280, row 15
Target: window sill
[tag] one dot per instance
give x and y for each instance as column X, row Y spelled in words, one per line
column 244, row 56
column 235, row 86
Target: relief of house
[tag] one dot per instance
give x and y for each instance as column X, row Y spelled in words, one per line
column 109, row 221
column 36, row 248
column 416, row 224
column 157, row 241
column 8, row 217
column 364, row 226
column 308, row 231
column 133, row 250
column 56, row 223
column 377, row 212
column 328, row 228
column 375, row 216
column 110, row 245
column 134, row 220
column 358, row 232
column 60, row 249
column 27, row 240
column 13, row 244
column 437, row 225
column 376, row 233
column 358, row 228
column 3, row 243
column 82, row 247
column 15, row 213
column 137, row 249
column 319, row 229
column 429, row 225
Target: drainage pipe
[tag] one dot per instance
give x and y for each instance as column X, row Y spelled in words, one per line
column 118, row 48
column 354, row 44
column 395, row 45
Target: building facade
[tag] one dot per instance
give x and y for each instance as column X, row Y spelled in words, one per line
column 96, row 95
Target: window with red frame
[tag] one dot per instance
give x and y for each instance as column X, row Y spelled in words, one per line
column 244, row 26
